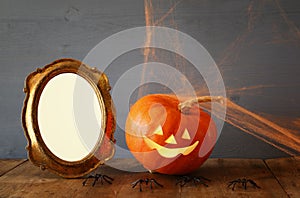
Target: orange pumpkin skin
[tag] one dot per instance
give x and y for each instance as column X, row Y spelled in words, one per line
column 151, row 149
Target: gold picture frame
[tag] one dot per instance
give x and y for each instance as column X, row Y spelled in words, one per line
column 38, row 152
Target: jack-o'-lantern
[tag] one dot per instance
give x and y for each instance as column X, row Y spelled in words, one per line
column 166, row 139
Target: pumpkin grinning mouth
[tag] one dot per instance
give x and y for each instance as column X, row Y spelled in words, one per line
column 170, row 152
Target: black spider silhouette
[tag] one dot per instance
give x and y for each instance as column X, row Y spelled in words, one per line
column 182, row 181
column 146, row 181
column 97, row 177
column 243, row 182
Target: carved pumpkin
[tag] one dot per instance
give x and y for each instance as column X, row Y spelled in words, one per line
column 167, row 140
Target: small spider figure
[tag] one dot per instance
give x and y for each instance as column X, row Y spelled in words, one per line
column 97, row 177
column 146, row 181
column 182, row 181
column 244, row 182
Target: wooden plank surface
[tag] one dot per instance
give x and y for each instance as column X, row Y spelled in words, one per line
column 29, row 181
column 9, row 164
column 222, row 171
column 287, row 171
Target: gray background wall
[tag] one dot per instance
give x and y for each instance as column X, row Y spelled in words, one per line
column 33, row 33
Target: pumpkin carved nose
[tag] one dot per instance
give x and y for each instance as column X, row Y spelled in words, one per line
column 171, row 140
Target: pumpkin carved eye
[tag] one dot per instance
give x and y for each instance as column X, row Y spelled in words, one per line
column 186, row 135
column 158, row 131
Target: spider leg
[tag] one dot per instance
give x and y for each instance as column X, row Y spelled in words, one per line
column 244, row 184
column 183, row 180
column 108, row 179
column 147, row 180
column 229, row 184
column 84, row 182
column 139, row 181
column 155, row 182
column 151, row 183
column 141, row 186
column 253, row 183
column 97, row 176
column 234, row 185
column 133, row 184
column 200, row 179
column 196, row 181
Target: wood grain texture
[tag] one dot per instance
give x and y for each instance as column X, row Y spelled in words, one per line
column 29, row 181
column 287, row 171
column 222, row 171
column 9, row 164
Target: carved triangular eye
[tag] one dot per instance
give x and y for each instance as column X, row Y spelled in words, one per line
column 186, row 135
column 158, row 131
column 171, row 140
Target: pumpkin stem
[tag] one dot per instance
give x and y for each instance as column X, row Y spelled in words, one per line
column 186, row 105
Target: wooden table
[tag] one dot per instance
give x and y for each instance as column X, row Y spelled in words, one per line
column 276, row 177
